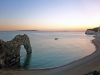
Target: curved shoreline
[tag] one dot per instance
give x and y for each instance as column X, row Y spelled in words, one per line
column 49, row 68
column 77, row 67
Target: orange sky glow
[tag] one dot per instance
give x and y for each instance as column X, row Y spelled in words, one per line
column 49, row 15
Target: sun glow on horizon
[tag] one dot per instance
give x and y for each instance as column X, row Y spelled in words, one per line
column 49, row 15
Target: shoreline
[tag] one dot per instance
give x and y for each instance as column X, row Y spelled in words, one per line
column 77, row 67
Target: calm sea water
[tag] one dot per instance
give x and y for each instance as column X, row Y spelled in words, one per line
column 48, row 52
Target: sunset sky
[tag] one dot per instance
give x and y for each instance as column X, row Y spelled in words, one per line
column 49, row 15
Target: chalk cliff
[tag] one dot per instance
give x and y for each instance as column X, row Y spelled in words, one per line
column 10, row 50
column 91, row 31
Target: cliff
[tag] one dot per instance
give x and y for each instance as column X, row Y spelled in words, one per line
column 10, row 50
column 91, row 31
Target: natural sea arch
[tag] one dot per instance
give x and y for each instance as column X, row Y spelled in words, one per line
column 10, row 50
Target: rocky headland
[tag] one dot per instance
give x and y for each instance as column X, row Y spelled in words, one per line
column 91, row 31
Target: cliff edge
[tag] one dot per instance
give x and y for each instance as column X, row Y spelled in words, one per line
column 91, row 31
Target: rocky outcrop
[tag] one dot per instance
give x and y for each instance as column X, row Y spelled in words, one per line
column 90, row 32
column 10, row 50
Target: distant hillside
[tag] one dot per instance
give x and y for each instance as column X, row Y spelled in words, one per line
column 27, row 30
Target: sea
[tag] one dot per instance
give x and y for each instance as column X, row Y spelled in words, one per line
column 48, row 52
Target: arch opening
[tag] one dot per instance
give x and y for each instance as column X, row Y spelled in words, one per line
column 24, row 58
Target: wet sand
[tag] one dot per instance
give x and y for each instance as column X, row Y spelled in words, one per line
column 79, row 67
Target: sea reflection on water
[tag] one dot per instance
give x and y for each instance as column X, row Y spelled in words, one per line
column 25, row 64
column 26, row 61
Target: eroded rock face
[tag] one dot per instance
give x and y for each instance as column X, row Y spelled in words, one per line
column 10, row 50
column 90, row 32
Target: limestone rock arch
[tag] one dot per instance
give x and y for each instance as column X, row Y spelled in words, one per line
column 10, row 50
